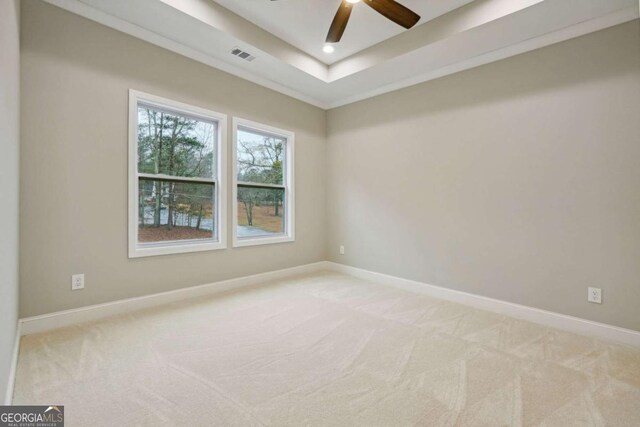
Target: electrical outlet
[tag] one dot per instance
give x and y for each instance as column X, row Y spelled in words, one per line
column 77, row 282
column 595, row 295
column 341, row 250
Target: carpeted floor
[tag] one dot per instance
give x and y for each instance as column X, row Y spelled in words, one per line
column 327, row 349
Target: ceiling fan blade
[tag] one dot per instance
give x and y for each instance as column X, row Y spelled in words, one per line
column 339, row 22
column 395, row 12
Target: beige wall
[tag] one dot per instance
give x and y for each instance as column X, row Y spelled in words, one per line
column 75, row 78
column 519, row 180
column 9, row 163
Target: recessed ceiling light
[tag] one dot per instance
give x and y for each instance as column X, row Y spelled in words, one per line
column 328, row 48
column 353, row 1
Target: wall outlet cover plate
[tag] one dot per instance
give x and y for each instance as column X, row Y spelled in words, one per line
column 595, row 295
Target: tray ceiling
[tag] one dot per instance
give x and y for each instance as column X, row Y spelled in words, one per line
column 285, row 38
column 304, row 23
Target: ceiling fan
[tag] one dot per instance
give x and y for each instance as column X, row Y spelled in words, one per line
column 390, row 9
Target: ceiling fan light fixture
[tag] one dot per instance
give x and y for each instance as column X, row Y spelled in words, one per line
column 328, row 48
column 390, row 9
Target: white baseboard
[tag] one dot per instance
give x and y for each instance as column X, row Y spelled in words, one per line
column 535, row 315
column 11, row 380
column 46, row 322
column 31, row 325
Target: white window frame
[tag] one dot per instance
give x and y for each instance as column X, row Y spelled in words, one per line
column 288, row 178
column 137, row 250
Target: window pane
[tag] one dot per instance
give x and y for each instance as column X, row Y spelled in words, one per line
column 170, row 211
column 260, row 157
column 175, row 145
column 260, row 212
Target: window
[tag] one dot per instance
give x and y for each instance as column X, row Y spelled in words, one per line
column 263, row 208
column 176, row 165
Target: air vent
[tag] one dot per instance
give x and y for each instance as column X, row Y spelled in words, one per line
column 242, row 54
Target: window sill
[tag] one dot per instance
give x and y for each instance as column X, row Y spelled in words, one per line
column 153, row 250
column 256, row 241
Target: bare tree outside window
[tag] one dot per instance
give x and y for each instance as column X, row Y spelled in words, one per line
column 176, row 166
column 261, row 191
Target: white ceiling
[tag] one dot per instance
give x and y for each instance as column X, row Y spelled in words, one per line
column 304, row 23
column 374, row 57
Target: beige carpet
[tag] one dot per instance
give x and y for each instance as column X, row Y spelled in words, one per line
column 327, row 349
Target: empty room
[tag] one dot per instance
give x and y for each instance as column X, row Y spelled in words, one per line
column 320, row 213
